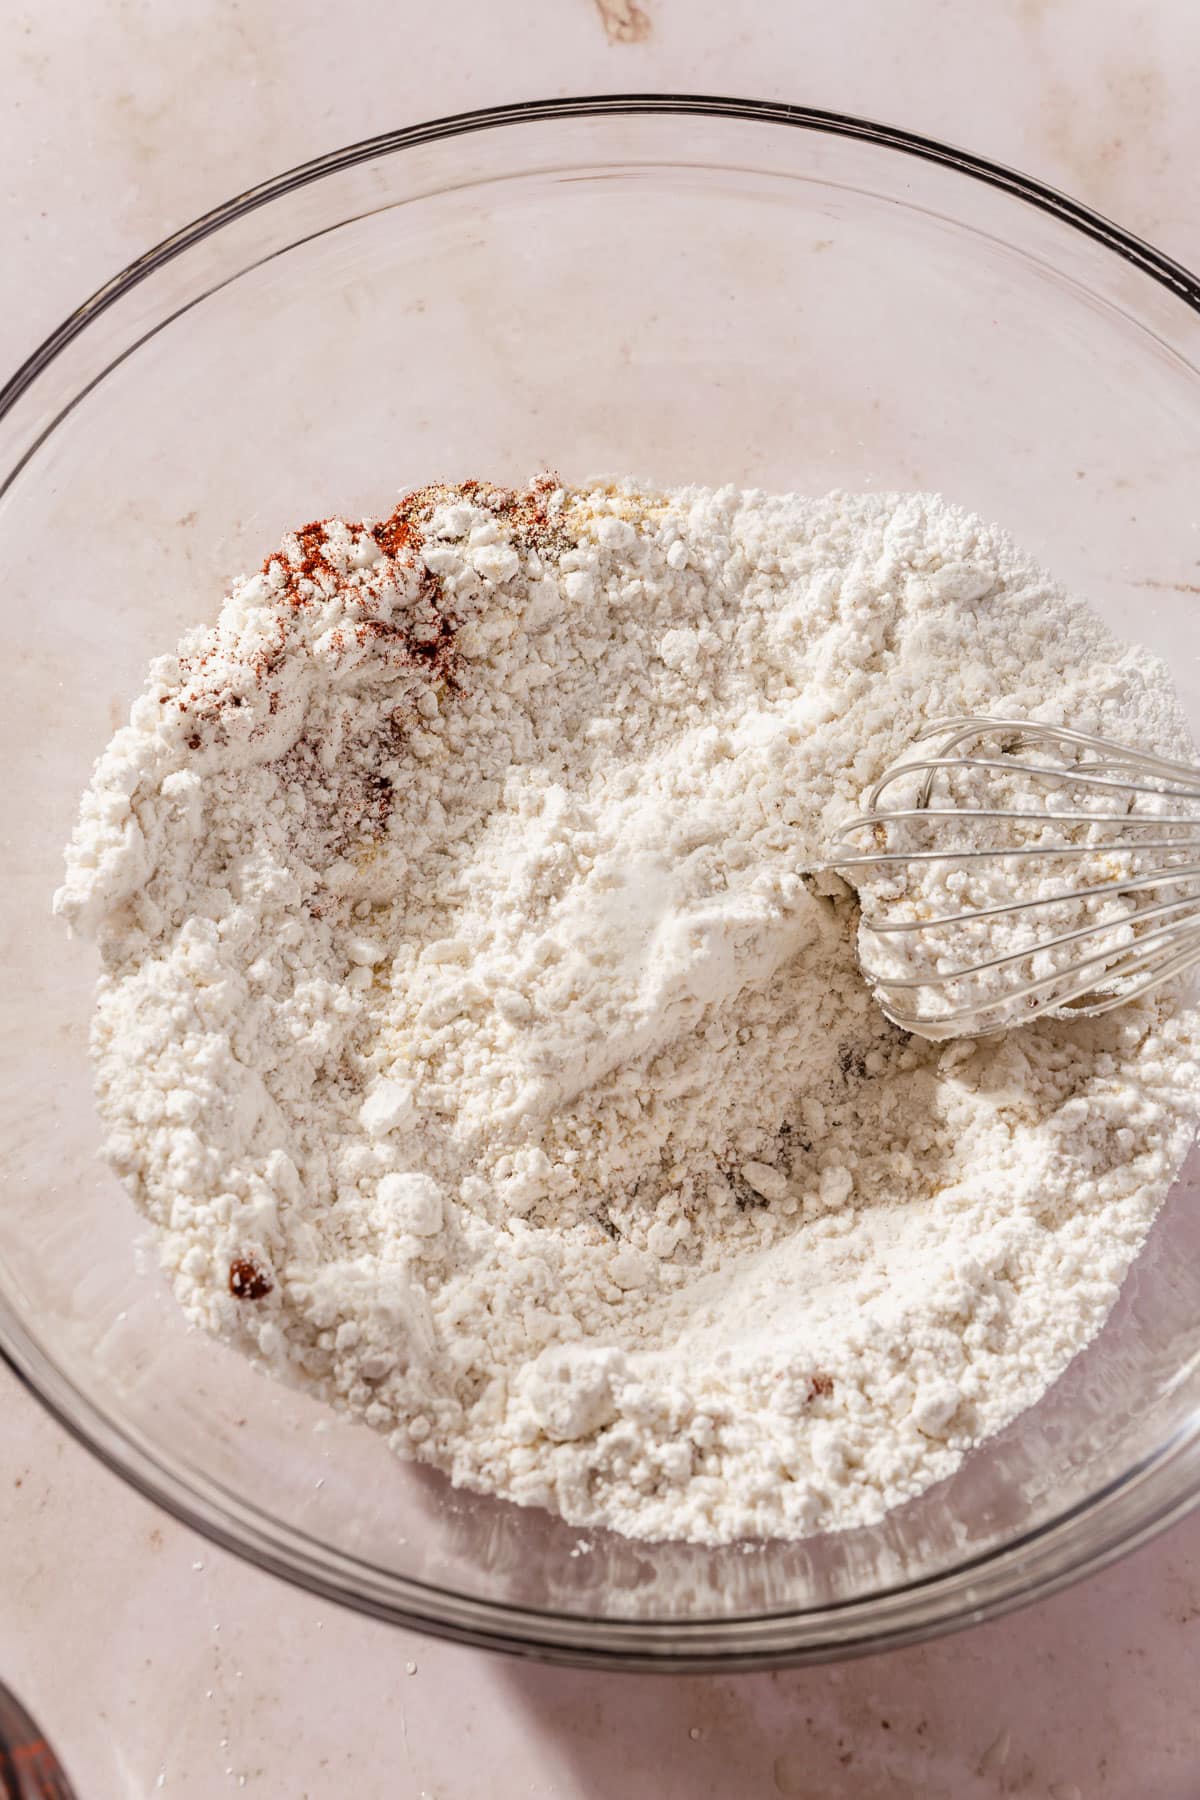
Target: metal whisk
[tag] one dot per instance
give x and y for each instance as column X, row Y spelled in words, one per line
column 1102, row 870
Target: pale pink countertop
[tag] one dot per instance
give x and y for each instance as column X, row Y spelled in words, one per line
column 157, row 1663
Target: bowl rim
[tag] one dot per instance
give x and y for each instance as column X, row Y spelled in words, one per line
column 1123, row 1513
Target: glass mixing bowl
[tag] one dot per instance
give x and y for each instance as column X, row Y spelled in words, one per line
column 687, row 289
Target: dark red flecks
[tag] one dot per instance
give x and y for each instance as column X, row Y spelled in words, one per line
column 393, row 534
column 311, row 564
column 420, row 635
column 247, row 1281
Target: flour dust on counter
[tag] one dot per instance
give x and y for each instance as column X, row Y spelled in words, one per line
column 485, row 1059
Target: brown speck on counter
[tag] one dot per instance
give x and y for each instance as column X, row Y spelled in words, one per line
column 624, row 21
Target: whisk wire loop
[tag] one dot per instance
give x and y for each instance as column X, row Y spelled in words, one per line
column 1140, row 925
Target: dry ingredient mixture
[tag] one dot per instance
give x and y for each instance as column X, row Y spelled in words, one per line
column 485, row 1061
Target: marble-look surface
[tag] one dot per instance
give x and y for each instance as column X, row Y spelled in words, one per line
column 157, row 1663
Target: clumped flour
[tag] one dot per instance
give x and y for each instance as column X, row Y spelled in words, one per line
column 485, row 1061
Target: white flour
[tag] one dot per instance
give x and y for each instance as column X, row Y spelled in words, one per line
column 473, row 1042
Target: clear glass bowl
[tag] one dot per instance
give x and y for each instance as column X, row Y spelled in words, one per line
column 686, row 289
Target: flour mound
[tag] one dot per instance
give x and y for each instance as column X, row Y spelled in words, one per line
column 485, row 1060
